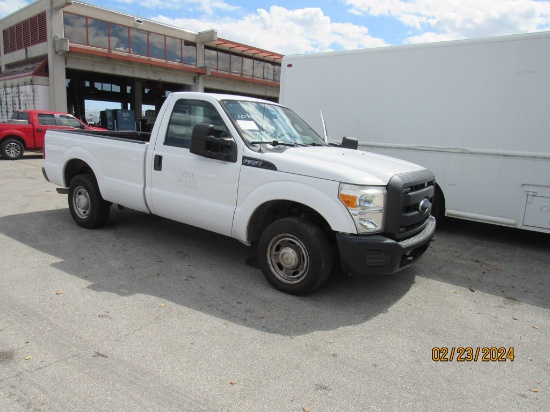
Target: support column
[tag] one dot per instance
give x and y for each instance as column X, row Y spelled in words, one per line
column 137, row 102
column 202, row 38
column 198, row 79
column 56, row 57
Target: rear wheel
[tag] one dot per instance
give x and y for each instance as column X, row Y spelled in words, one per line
column 87, row 207
column 12, row 149
column 295, row 256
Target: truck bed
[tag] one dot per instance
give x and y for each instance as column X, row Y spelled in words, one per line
column 117, row 159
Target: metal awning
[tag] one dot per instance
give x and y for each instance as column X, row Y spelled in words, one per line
column 35, row 67
column 244, row 49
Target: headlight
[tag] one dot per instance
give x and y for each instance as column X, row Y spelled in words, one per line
column 366, row 205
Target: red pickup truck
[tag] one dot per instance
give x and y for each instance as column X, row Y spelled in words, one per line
column 26, row 130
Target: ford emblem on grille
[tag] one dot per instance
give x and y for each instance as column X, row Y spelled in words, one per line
column 424, row 205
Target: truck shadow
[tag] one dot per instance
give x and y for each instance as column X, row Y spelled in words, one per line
column 143, row 254
column 27, row 155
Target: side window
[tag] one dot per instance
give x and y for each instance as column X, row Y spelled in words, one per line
column 188, row 113
column 69, row 121
column 46, row 119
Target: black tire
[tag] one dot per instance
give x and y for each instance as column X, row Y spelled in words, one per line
column 12, row 149
column 295, row 256
column 87, row 207
column 438, row 207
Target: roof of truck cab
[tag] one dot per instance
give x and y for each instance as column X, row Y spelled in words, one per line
column 221, row 96
column 40, row 111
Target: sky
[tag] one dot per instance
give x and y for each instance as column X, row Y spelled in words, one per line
column 306, row 26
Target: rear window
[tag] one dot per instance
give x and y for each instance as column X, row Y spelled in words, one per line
column 20, row 116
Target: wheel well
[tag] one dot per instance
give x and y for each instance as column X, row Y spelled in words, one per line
column 19, row 139
column 278, row 209
column 76, row 167
column 438, row 209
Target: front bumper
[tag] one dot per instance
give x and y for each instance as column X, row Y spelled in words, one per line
column 361, row 255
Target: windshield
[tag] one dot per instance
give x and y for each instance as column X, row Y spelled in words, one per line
column 269, row 123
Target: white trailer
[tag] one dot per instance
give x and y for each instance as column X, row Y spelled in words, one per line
column 474, row 112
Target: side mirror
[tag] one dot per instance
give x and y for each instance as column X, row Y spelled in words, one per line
column 205, row 144
column 349, row 143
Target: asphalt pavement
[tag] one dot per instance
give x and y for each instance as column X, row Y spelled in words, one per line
column 151, row 315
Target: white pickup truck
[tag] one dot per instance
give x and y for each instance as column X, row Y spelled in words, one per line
column 253, row 170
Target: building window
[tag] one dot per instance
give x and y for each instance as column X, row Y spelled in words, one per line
column 223, row 61
column 104, row 35
column 236, row 63
column 156, row 46
column 248, row 66
column 118, row 40
column 211, row 58
column 190, row 53
column 268, row 71
column 138, row 42
column 98, row 33
column 277, row 73
column 111, row 36
column 151, row 44
column 259, row 69
column 75, row 28
column 240, row 65
column 173, row 49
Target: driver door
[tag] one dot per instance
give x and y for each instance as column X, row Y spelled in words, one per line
column 187, row 187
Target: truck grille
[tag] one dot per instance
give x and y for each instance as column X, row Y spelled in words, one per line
column 408, row 210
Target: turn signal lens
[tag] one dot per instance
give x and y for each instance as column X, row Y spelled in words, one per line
column 348, row 200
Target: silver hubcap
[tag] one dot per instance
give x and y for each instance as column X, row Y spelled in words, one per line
column 13, row 150
column 288, row 259
column 81, row 202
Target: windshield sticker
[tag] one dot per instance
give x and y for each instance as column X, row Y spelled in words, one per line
column 247, row 124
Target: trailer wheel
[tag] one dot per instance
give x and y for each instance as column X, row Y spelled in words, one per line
column 295, row 256
column 87, row 207
column 12, row 149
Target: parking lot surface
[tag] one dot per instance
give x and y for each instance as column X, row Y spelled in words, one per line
column 147, row 314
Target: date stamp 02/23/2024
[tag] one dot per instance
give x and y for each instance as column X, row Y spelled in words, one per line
column 472, row 354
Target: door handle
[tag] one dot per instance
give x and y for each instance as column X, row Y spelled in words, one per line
column 157, row 165
column 39, row 130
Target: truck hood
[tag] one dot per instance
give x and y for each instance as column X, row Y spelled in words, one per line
column 341, row 165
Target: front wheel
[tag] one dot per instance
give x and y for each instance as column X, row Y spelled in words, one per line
column 438, row 207
column 294, row 255
column 12, row 149
column 87, row 207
